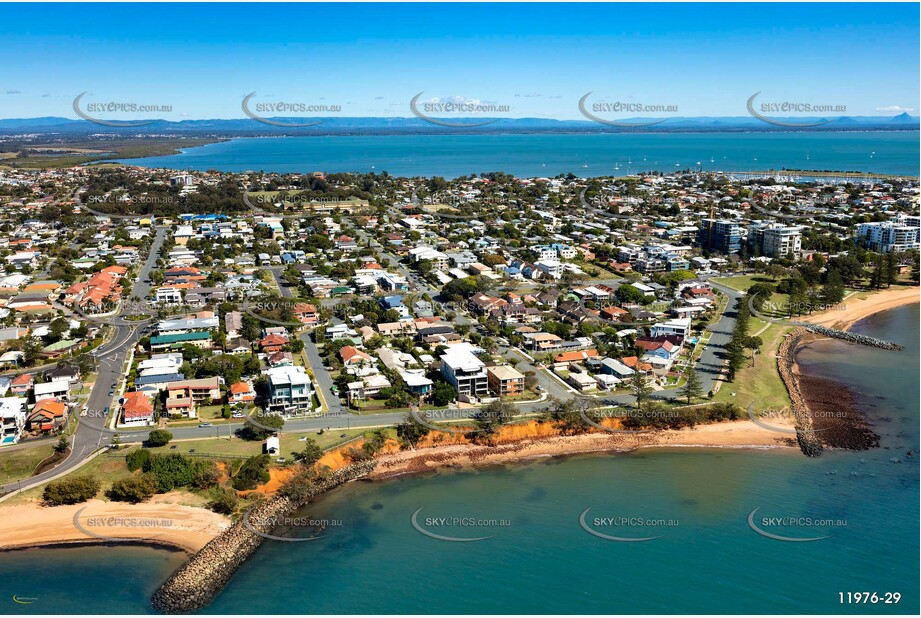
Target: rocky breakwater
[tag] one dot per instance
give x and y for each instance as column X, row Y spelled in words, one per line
column 195, row 584
column 846, row 335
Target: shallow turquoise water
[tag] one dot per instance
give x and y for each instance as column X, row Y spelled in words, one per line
column 548, row 155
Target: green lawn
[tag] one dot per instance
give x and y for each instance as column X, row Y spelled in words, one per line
column 743, row 282
column 110, row 466
column 20, row 463
column 244, row 448
column 761, row 383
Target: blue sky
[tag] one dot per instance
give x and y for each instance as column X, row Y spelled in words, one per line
column 537, row 59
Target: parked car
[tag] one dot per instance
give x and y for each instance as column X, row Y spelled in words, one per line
column 206, row 424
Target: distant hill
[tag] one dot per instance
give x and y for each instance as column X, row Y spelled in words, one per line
column 386, row 125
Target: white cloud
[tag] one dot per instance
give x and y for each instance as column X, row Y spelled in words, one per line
column 894, row 109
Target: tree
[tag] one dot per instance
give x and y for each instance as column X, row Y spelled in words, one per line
column 133, row 489
column 57, row 328
column 71, row 490
column 567, row 414
column 442, row 394
column 460, row 289
column 639, row 386
column 253, row 472
column 754, row 344
column 490, row 418
column 223, row 500
column 268, row 424
column 735, row 357
column 692, row 387
column 171, row 470
column 61, row 446
column 158, row 437
column 137, row 459
column 411, row 431
column 310, row 454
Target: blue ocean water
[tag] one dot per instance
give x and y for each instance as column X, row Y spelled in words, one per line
column 552, row 154
column 708, row 559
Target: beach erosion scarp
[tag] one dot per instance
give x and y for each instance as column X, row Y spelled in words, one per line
column 195, row 584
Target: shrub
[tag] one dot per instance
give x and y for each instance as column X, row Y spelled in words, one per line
column 223, row 501
column 137, row 459
column 311, row 453
column 253, row 472
column 71, row 490
column 171, row 470
column 255, row 432
column 205, row 474
column 159, row 437
column 133, row 489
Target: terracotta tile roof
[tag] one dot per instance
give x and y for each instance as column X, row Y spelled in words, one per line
column 577, row 355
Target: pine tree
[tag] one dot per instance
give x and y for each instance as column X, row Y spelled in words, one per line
column 692, row 388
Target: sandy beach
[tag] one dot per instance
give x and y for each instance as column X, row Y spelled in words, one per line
column 853, row 309
column 158, row 522
column 730, row 434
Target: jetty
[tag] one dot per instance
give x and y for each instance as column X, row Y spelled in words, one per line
column 197, row 582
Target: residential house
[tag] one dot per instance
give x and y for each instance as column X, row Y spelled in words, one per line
column 465, row 372
column 576, row 356
column 505, row 380
column 242, row 392
column 22, row 384
column 12, row 419
column 47, row 416
column 290, row 390
column 137, row 409
column 273, row 343
column 167, row 342
column 57, row 389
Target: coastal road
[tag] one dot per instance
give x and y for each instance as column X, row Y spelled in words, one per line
column 91, row 432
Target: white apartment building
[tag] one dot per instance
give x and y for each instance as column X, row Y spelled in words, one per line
column 781, row 242
column 290, row 390
column 900, row 234
column 551, row 268
column 12, row 419
column 465, row 372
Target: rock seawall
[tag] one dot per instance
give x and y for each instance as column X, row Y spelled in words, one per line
column 195, row 584
column 806, row 437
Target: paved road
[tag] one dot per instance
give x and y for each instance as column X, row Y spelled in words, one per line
column 111, row 357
